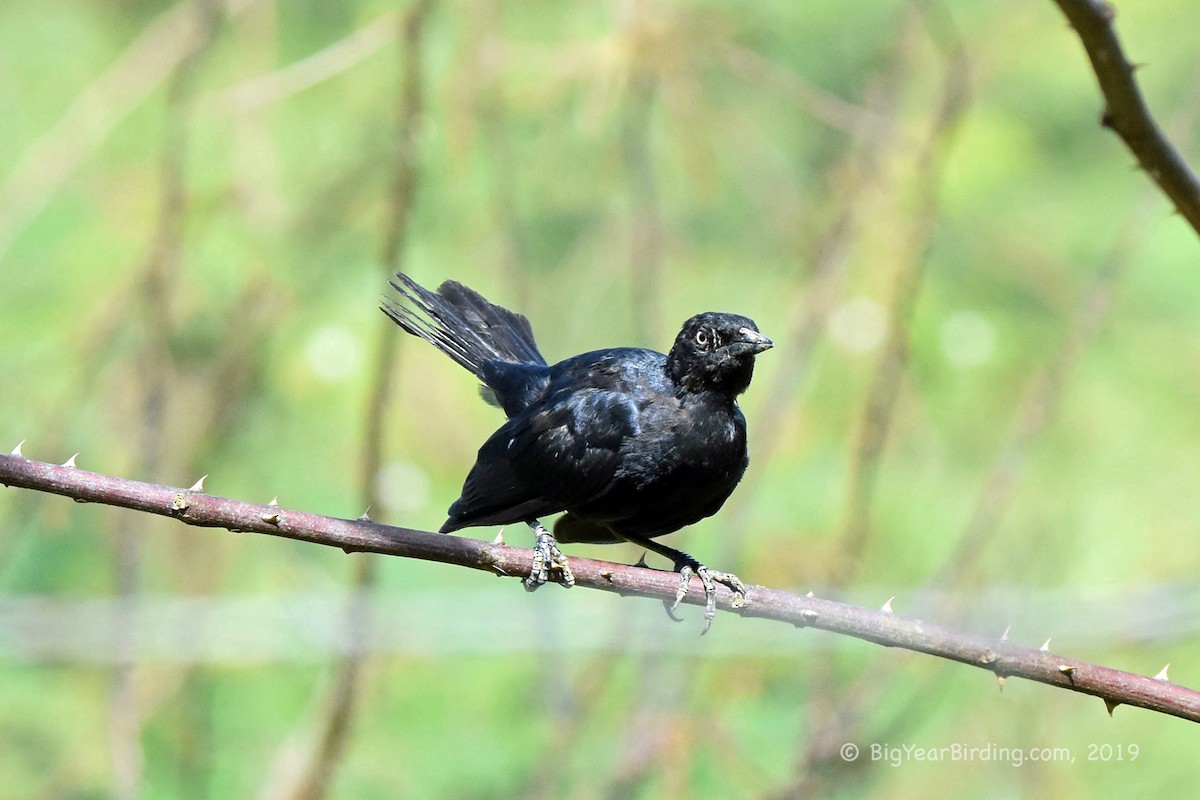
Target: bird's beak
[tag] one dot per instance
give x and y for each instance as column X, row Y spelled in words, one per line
column 750, row 341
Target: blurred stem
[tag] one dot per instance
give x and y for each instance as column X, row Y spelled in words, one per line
column 49, row 163
column 879, row 408
column 646, row 225
column 880, row 679
column 333, row 729
column 491, row 109
column 1044, row 396
column 850, row 185
column 759, row 71
column 587, row 694
column 835, row 712
column 657, row 742
column 159, row 274
column 1037, row 413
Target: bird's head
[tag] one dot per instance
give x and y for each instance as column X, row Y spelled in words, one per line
column 716, row 351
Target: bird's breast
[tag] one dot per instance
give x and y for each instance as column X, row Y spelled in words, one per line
column 689, row 442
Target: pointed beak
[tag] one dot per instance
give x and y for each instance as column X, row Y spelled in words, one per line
column 750, row 341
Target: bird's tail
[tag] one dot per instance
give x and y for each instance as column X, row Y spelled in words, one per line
column 462, row 324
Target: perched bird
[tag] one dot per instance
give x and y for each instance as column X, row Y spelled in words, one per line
column 632, row 444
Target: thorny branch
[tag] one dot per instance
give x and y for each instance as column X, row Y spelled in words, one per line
column 1004, row 659
column 1126, row 112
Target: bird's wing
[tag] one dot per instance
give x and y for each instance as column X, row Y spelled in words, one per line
column 562, row 453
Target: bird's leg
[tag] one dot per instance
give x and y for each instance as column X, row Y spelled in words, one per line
column 547, row 558
column 687, row 566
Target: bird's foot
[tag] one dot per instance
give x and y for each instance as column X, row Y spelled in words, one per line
column 547, row 558
column 710, row 579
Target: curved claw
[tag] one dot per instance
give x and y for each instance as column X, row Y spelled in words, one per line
column 710, row 578
column 710, row 598
column 687, row 567
column 670, row 609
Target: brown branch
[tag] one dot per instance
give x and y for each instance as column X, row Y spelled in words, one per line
column 1126, row 112
column 1000, row 657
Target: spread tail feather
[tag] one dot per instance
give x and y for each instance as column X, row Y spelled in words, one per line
column 462, row 324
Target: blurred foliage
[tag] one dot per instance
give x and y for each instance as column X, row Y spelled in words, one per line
column 193, row 200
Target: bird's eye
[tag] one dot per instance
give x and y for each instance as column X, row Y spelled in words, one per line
column 702, row 337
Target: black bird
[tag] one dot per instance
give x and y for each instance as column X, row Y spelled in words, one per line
column 630, row 443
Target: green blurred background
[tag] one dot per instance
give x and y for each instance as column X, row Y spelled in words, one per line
column 983, row 399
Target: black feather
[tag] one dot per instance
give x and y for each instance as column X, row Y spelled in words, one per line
column 463, row 325
column 629, row 442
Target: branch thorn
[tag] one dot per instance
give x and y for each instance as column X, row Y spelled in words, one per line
column 365, row 516
column 70, row 462
column 1045, row 648
column 1162, row 674
column 198, row 486
column 16, row 451
column 1110, row 705
column 886, row 608
column 1004, row 636
column 1000, row 682
column 499, row 537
